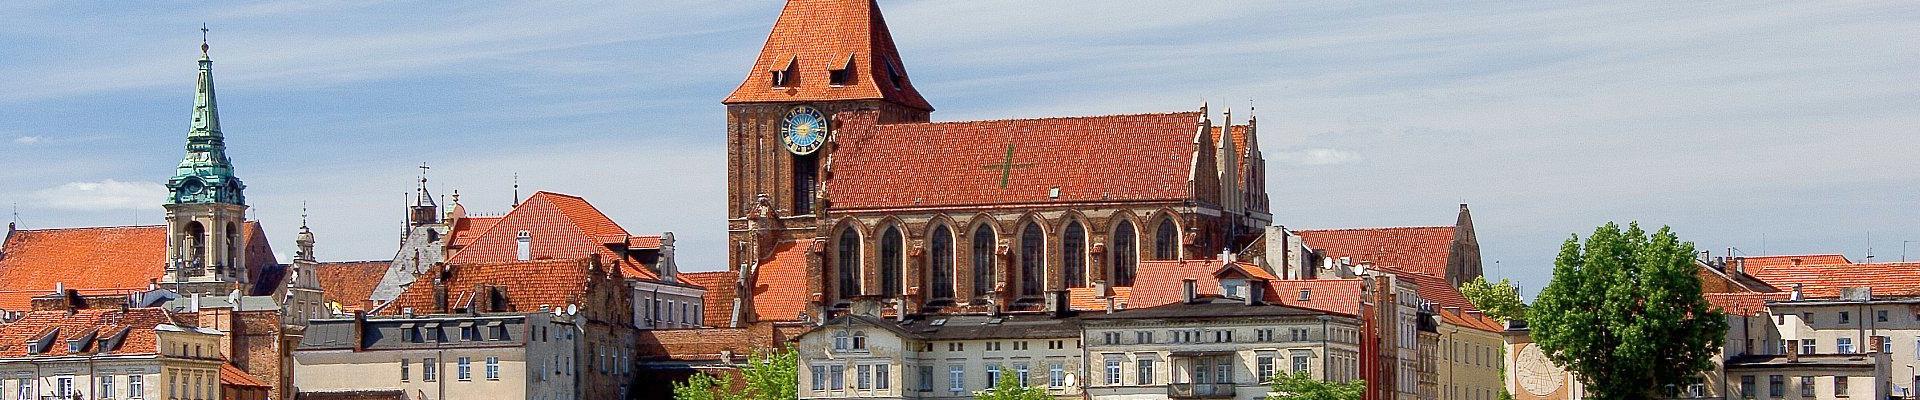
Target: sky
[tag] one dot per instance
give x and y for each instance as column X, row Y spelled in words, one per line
column 1771, row 128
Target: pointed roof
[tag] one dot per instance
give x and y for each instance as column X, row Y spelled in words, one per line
column 814, row 37
column 205, row 173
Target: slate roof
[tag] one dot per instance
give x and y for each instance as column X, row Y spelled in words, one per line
column 817, row 36
column 1825, row 281
column 528, row 285
column 350, row 283
column 98, row 259
column 139, row 324
column 1117, row 158
column 1415, row 249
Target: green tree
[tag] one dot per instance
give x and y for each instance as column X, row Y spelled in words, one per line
column 1300, row 386
column 1008, row 388
column 1625, row 314
column 1500, row 301
column 769, row 376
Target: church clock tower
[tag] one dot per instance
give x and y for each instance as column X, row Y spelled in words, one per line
column 822, row 58
column 206, row 206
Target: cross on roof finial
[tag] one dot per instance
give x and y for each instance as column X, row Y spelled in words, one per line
column 203, row 38
column 423, row 172
column 303, row 213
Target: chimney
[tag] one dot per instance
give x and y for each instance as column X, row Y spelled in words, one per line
column 899, row 310
column 1186, row 291
column 359, row 330
column 1798, row 294
column 1793, row 351
column 439, row 294
column 1060, row 304
column 1255, row 291
column 59, row 287
column 193, row 304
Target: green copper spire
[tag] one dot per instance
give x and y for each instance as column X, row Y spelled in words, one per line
column 205, row 175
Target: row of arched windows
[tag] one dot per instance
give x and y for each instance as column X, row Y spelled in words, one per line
column 1029, row 259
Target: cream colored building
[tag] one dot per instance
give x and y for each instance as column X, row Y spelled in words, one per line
column 1215, row 347
column 939, row 357
column 1471, row 355
column 497, row 356
column 139, row 353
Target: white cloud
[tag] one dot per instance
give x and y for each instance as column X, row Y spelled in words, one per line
column 1317, row 156
column 27, row 140
column 103, row 195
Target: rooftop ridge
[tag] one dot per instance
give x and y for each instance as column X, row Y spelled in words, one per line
column 1377, row 228
column 1077, row 117
column 93, row 228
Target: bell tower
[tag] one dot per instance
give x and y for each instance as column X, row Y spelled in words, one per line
column 206, row 205
column 823, row 57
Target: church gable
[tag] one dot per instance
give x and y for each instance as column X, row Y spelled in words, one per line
column 823, row 50
column 557, row 227
column 1119, row 158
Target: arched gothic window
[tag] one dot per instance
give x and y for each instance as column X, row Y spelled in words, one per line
column 983, row 246
column 1073, row 254
column 1166, row 240
column 1126, row 257
column 194, row 241
column 849, row 263
column 1032, row 253
column 892, row 250
column 940, row 261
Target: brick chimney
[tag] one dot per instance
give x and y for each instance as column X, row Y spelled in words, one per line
column 1187, row 291
column 359, row 330
column 1793, row 351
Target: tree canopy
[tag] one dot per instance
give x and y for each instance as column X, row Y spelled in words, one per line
column 1008, row 388
column 1300, row 386
column 1625, row 314
column 1500, row 300
column 769, row 376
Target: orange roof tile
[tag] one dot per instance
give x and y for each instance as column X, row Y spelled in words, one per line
column 1418, row 249
column 1470, row 320
column 1340, row 296
column 108, row 258
column 954, row 164
column 141, row 338
column 1762, row 263
column 780, row 290
column 1247, row 269
column 1438, row 291
column 466, row 229
column 560, row 227
column 644, row 242
column 718, row 297
column 350, row 283
column 1088, row 299
column 1162, row 282
column 527, row 285
column 233, row 376
column 1825, row 281
column 817, row 36
column 1744, row 304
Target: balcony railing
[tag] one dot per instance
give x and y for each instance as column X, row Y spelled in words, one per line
column 1200, row 390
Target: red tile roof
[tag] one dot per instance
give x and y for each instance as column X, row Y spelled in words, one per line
column 719, row 295
column 1145, row 157
column 780, row 289
column 644, row 242
column 233, row 376
column 101, row 259
column 1825, row 281
column 1418, row 249
column 528, row 285
column 1438, row 291
column 1250, row 270
column 1465, row 319
column 1744, row 304
column 141, row 337
column 560, row 226
column 1762, row 263
column 350, row 283
column 1341, row 296
column 1162, row 282
column 817, row 36
column 1088, row 299
column 465, row 229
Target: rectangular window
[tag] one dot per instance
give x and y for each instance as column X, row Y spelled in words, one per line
column 1143, row 372
column 464, row 369
column 1265, row 363
column 1806, row 386
column 1880, row 316
column 1223, row 372
column 1806, row 347
column 493, row 368
column 1143, row 337
column 1056, row 376
column 819, row 377
column 25, row 389
column 106, row 387
column 926, row 378
column 1113, row 372
column 405, row 366
column 880, row 379
column 429, row 370
column 1886, row 344
column 836, row 377
column 1777, row 386
column 1839, row 386
column 136, row 386
column 63, row 386
column 1020, row 371
column 1747, row 388
column 1846, row 317
column 864, row 378
column 1843, row 345
column 956, row 378
column 993, row 375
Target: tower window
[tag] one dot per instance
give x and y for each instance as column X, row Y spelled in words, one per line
column 806, row 180
column 841, row 76
column 893, row 74
column 783, row 77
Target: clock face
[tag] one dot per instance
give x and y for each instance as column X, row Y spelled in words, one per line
column 804, row 130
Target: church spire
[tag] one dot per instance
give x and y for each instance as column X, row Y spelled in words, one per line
column 205, row 175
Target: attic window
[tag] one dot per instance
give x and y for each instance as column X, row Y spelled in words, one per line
column 1306, row 294
column 43, row 343
column 842, row 76
column 893, row 74
column 783, row 77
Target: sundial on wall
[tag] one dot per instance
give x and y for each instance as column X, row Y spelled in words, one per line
column 1537, row 374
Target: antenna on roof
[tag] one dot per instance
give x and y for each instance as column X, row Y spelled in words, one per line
column 516, row 190
column 1869, row 247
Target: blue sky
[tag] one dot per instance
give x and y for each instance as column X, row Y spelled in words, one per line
column 1771, row 127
